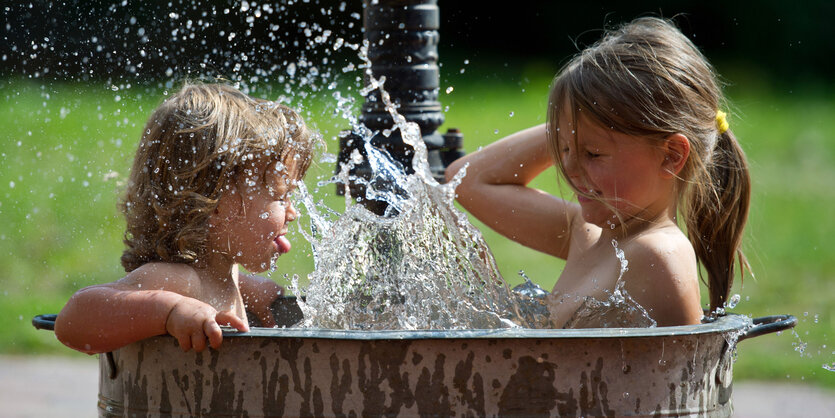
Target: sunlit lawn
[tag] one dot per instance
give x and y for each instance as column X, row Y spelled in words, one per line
column 65, row 149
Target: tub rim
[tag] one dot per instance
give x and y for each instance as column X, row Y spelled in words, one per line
column 727, row 323
column 744, row 326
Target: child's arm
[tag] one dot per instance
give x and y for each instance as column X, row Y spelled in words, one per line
column 105, row 317
column 258, row 294
column 495, row 191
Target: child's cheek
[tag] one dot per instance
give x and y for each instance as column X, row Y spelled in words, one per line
column 598, row 177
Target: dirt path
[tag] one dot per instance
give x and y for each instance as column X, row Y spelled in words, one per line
column 37, row 386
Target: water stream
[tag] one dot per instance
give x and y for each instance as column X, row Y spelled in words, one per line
column 422, row 266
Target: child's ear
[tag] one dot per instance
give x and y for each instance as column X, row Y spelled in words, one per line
column 676, row 150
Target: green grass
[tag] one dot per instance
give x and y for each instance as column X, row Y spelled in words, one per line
column 61, row 230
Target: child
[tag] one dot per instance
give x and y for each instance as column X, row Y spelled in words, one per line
column 635, row 127
column 208, row 191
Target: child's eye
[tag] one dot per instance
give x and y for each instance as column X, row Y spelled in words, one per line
column 278, row 193
column 592, row 154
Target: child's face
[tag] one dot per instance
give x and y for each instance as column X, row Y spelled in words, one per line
column 615, row 175
column 257, row 231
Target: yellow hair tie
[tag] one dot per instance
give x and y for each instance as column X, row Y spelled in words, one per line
column 722, row 121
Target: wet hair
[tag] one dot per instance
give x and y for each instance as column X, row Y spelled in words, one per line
column 195, row 146
column 647, row 79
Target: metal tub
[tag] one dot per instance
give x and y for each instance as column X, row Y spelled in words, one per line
column 667, row 371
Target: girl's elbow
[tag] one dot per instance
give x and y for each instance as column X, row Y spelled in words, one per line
column 71, row 337
column 453, row 169
column 63, row 327
column 72, row 326
column 76, row 336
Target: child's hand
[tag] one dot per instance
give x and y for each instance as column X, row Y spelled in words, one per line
column 191, row 322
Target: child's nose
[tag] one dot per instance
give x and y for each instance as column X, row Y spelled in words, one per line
column 291, row 213
column 569, row 165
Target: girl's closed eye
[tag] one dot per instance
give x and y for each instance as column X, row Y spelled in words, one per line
column 593, row 153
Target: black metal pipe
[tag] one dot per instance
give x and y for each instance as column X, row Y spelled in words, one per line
column 403, row 47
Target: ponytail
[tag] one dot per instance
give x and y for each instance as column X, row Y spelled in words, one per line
column 718, row 210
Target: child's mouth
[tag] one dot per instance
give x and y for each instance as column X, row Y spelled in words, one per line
column 282, row 244
column 584, row 196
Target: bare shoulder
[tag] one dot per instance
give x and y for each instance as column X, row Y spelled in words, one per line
column 174, row 277
column 662, row 276
column 668, row 246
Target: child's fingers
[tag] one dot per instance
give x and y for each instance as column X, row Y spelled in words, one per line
column 185, row 342
column 232, row 320
column 198, row 340
column 213, row 331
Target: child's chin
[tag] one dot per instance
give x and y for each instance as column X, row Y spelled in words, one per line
column 257, row 267
column 606, row 222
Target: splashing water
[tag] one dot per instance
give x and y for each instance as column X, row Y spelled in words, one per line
column 425, row 267
column 618, row 310
column 533, row 303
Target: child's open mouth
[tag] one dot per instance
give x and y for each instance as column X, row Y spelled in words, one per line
column 282, row 244
column 584, row 196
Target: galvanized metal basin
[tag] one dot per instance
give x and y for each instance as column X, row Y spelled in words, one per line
column 668, row 371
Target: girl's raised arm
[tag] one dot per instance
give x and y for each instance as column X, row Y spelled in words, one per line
column 495, row 191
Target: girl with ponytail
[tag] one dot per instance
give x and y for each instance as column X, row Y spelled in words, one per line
column 636, row 128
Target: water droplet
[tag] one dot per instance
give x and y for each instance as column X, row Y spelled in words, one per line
column 449, row 89
column 732, row 302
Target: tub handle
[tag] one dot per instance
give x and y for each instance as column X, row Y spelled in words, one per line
column 768, row 324
column 45, row 321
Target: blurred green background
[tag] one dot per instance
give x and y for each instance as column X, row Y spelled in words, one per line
column 72, row 109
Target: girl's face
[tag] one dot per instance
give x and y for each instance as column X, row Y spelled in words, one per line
column 257, row 227
column 617, row 177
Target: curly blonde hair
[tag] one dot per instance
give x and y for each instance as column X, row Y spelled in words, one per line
column 647, row 79
column 193, row 147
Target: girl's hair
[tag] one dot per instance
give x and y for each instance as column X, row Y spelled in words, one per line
column 647, row 79
column 194, row 146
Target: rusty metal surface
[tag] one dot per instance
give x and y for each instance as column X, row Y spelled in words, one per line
column 272, row 372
